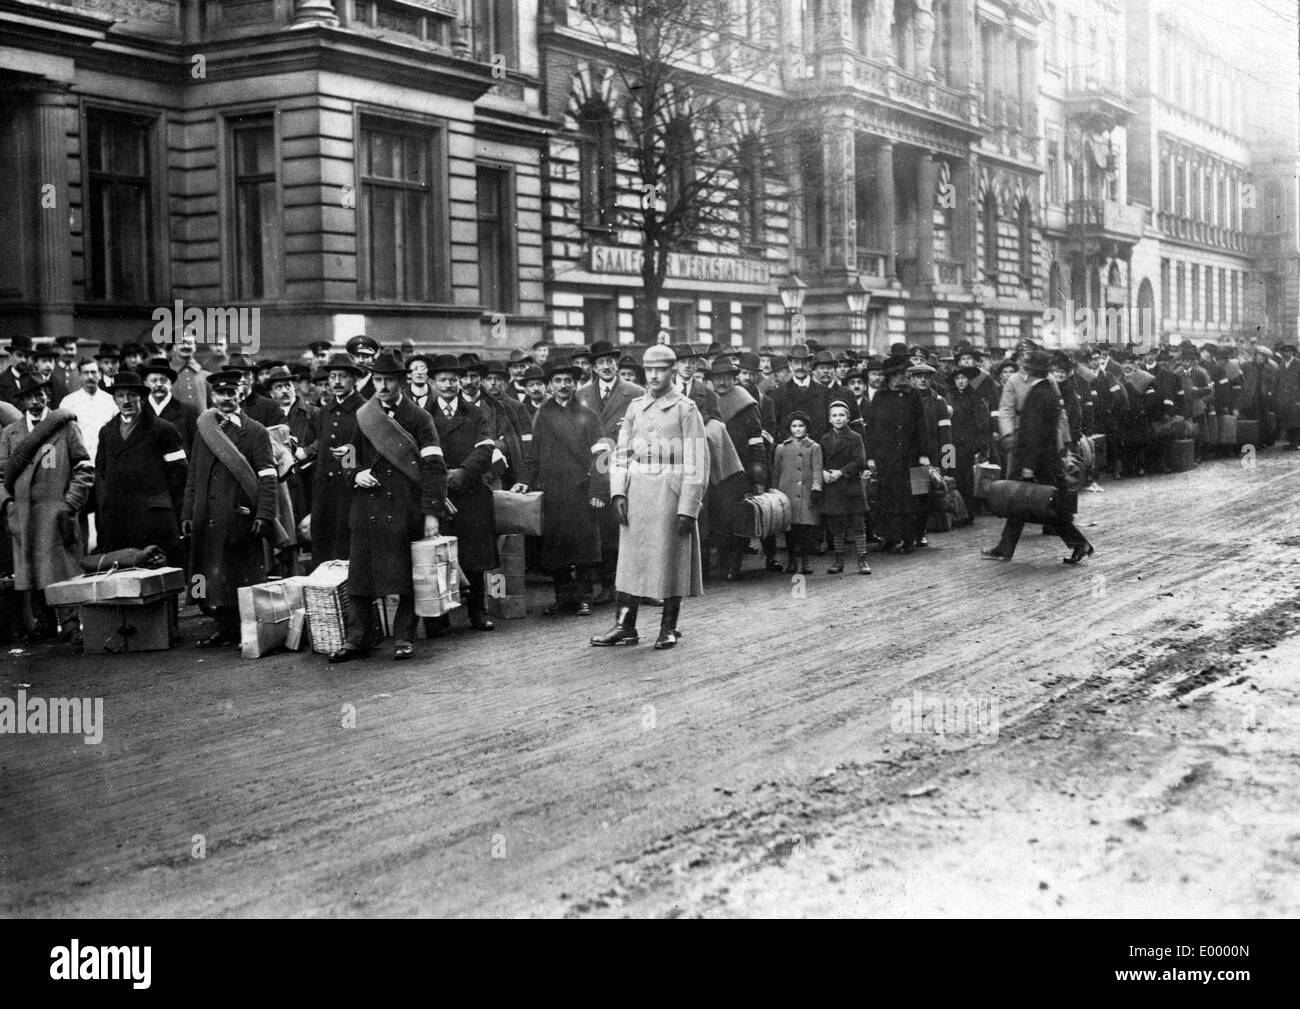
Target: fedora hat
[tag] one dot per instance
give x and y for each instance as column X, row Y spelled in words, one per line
column 445, row 363
column 1038, row 362
column 518, row 356
column 340, row 361
column 800, row 352
column 280, row 374
column 387, row 362
column 471, row 362
column 157, row 366
column 30, row 382
column 562, row 366
column 129, row 380
column 105, row 351
column 533, row 374
column 724, row 365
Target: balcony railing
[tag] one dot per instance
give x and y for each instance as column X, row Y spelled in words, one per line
column 1109, row 216
column 943, row 272
column 1177, row 226
column 885, row 79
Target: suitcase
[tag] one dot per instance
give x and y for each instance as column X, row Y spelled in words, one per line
column 986, row 473
column 518, row 513
column 127, row 625
column 1228, row 430
column 1182, row 455
column 1247, row 431
column 1033, row 502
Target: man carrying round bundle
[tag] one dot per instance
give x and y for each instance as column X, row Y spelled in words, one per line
column 657, row 483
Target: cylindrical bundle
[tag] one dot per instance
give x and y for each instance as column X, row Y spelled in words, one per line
column 1033, row 502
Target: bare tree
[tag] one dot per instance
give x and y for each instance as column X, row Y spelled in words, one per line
column 686, row 70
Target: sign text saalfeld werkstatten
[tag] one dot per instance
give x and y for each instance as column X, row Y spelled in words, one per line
column 682, row 266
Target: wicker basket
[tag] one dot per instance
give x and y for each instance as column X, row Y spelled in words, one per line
column 325, row 596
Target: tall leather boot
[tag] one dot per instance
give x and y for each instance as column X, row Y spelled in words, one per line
column 624, row 630
column 668, row 633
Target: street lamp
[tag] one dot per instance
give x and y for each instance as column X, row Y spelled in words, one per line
column 792, row 292
column 858, row 297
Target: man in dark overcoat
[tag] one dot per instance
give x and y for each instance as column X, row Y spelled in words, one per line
column 140, row 472
column 513, row 442
column 564, row 461
column 895, row 439
column 801, row 393
column 739, row 413
column 608, row 397
column 229, row 508
column 400, row 486
column 465, row 433
column 301, row 419
column 159, row 376
column 1038, row 459
column 331, row 493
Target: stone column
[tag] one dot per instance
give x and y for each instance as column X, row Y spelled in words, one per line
column 964, row 176
column 838, row 154
column 927, row 177
column 885, row 206
column 310, row 13
column 54, row 256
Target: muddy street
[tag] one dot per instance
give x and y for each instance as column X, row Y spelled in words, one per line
column 1125, row 756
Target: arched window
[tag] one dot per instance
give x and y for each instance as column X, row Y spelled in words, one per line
column 990, row 216
column 596, row 164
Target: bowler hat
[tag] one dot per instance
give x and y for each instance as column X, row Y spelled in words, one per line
column 800, row 352
column 495, row 367
column 970, row 371
column 280, row 374
column 749, row 362
column 105, row 352
column 534, row 374
column 1037, row 362
column 823, row 357
column 125, row 381
column 340, row 361
column 471, row 362
column 30, row 382
column 780, row 363
column 896, row 364
column 22, row 344
column 156, row 366
column 44, row 350
column 603, row 348
column 873, row 364
column 583, row 351
column 446, row 363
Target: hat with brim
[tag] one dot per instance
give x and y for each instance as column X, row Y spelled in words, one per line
column 280, row 374
column 362, row 342
column 873, row 364
column 896, row 365
column 520, row 357
column 603, row 348
column 562, row 366
column 780, row 363
column 1037, row 362
column 970, row 371
column 388, row 363
column 44, row 350
column 446, row 364
column 157, row 366
column 533, row 374
column 723, row 366
column 495, row 367
column 31, row 382
column 129, row 381
column 580, row 353
column 340, row 361
column 316, row 346
column 472, row 363
column 920, row 369
column 800, row 352
column 228, row 379
column 749, row 362
column 105, row 352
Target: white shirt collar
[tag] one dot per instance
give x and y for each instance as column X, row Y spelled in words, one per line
column 31, row 424
column 233, row 418
column 158, row 408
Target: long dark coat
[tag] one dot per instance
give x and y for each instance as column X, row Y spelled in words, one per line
column 140, row 484
column 305, row 430
column 815, row 401
column 262, row 409
column 972, row 423
column 562, row 461
column 610, row 412
column 183, row 417
column 844, row 451
column 223, row 549
column 331, row 497
column 47, row 545
column 467, row 444
column 1037, row 438
column 384, row 521
column 895, row 440
column 1286, row 396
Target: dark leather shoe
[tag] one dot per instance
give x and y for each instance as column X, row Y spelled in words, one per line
column 772, row 564
column 616, row 635
column 583, row 610
column 923, row 542
column 836, row 566
column 480, row 622
column 403, row 650
column 666, row 639
column 347, row 653
column 993, row 554
column 1079, row 554
column 791, row 567
column 217, row 639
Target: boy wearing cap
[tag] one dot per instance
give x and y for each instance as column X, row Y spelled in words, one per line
column 843, row 505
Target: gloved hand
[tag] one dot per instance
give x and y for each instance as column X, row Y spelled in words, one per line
column 261, row 528
column 685, row 525
column 456, row 478
column 620, row 509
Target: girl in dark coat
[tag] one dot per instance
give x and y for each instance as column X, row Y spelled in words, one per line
column 895, row 434
column 844, row 457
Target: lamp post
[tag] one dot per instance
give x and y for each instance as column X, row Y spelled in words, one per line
column 858, row 297
column 792, row 292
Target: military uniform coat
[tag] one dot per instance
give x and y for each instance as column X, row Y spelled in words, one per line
column 140, row 484
column 44, row 501
column 384, row 521
column 331, row 498
column 661, row 467
column 222, row 548
column 467, row 444
column 566, row 460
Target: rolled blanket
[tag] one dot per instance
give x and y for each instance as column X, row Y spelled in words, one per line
column 127, row 557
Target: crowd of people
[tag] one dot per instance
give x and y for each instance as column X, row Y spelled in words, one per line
column 241, row 469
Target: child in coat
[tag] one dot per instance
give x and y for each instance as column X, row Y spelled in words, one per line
column 797, row 473
column 844, row 505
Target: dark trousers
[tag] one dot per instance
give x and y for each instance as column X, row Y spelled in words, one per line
column 1062, row 527
column 573, row 584
column 361, row 614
